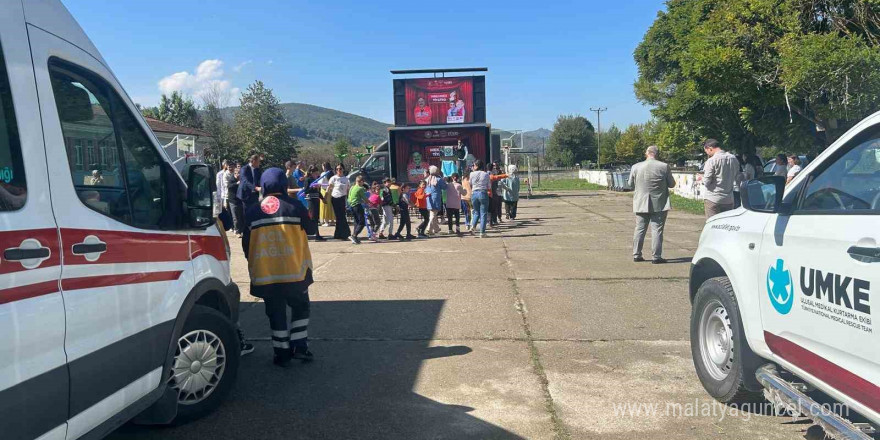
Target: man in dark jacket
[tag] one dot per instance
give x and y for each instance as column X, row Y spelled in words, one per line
column 248, row 189
column 276, row 246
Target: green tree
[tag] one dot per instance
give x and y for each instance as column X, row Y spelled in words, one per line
column 342, row 148
column 607, row 142
column 224, row 146
column 677, row 143
column 753, row 73
column 630, row 148
column 573, row 141
column 260, row 126
column 175, row 110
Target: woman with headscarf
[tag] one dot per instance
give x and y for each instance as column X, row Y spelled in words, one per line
column 510, row 192
column 434, row 186
column 276, row 247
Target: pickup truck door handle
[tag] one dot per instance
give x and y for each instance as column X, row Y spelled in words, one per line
column 89, row 248
column 19, row 254
column 864, row 254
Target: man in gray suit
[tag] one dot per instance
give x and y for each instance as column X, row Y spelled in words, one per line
column 650, row 181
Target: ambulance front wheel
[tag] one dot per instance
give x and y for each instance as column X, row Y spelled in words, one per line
column 724, row 362
column 205, row 363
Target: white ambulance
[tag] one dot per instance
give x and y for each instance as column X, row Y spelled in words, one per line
column 785, row 290
column 115, row 293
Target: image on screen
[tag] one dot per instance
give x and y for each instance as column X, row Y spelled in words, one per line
column 437, row 101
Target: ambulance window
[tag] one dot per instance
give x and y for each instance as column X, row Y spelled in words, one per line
column 115, row 168
column 13, row 189
column 850, row 184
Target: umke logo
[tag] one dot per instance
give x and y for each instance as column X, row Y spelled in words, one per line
column 780, row 288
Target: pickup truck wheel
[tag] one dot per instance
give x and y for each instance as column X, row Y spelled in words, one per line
column 724, row 362
column 205, row 363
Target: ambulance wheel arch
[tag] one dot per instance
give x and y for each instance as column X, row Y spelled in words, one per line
column 722, row 358
column 208, row 294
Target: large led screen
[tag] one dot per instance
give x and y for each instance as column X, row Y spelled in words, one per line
column 416, row 150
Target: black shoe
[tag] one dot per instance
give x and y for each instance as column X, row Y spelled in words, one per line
column 638, row 259
column 302, row 353
column 354, row 240
column 319, row 238
column 281, row 361
column 246, row 347
column 658, row 261
column 421, row 235
column 410, row 237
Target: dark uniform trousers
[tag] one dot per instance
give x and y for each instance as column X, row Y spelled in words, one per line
column 295, row 335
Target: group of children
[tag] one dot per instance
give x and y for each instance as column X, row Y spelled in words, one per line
column 435, row 198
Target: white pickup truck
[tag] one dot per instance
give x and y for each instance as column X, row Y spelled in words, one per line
column 788, row 285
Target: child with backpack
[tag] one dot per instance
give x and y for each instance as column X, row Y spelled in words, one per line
column 403, row 204
column 421, row 202
column 374, row 203
column 387, row 209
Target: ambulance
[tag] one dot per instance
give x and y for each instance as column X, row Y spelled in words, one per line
column 785, row 291
column 116, row 300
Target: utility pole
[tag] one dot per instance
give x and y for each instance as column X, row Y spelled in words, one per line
column 543, row 159
column 598, row 111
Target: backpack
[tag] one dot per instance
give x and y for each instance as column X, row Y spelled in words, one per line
column 387, row 199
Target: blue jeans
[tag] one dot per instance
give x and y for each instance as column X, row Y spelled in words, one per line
column 480, row 200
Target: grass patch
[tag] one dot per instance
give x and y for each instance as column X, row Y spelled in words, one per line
column 566, row 184
column 691, row 206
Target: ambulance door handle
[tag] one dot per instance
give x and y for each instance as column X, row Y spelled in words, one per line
column 864, row 254
column 89, row 248
column 18, row 254
column 30, row 253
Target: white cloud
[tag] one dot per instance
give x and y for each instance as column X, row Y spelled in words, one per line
column 241, row 65
column 208, row 76
column 270, row 62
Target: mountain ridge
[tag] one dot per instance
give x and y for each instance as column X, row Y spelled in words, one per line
column 314, row 125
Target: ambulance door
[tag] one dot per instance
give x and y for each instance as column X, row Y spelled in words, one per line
column 820, row 273
column 33, row 370
column 127, row 267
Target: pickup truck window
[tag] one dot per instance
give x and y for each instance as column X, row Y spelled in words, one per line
column 116, row 169
column 850, row 184
column 13, row 188
column 376, row 166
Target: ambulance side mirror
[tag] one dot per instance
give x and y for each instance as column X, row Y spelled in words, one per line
column 199, row 197
column 764, row 194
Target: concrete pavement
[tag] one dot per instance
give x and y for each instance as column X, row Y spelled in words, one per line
column 545, row 329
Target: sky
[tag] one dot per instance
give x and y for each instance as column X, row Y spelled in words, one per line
column 545, row 58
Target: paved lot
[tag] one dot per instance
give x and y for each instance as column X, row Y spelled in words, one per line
column 546, row 329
